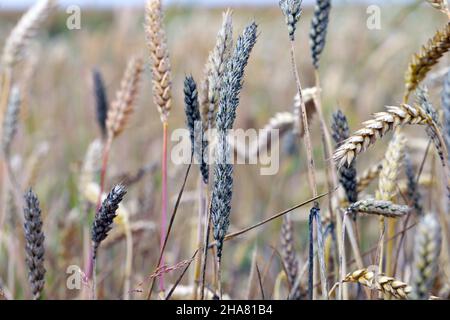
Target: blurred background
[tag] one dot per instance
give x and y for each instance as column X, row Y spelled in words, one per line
column 361, row 71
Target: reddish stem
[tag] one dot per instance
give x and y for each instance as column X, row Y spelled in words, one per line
column 163, row 200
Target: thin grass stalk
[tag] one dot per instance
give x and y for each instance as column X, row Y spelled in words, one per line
column 292, row 11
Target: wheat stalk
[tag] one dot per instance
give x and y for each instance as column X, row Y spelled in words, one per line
column 24, row 30
column 427, row 248
column 376, row 128
column 423, row 61
column 381, row 283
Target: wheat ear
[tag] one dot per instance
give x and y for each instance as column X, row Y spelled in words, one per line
column 387, row 190
column 24, row 30
column 376, row 128
column 318, row 30
column 214, row 69
column 101, row 101
column 347, row 174
column 378, row 207
column 34, row 237
column 423, row 61
column 381, row 283
column 123, row 105
column 427, row 247
column 288, row 253
column 412, row 186
column 159, row 58
column 10, row 121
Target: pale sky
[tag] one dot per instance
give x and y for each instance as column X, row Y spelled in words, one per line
column 14, row 4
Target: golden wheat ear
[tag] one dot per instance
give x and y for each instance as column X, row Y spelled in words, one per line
column 123, row 105
column 159, row 58
column 423, row 61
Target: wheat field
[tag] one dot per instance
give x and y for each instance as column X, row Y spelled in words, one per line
column 92, row 205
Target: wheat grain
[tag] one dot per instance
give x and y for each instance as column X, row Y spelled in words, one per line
column 34, row 237
column 427, row 248
column 24, row 30
column 386, row 285
column 376, row 128
column 159, row 58
column 126, row 96
column 423, row 61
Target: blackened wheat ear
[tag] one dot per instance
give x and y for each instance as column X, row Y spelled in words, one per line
column 194, row 124
column 228, row 103
column 347, row 174
column 101, row 101
column 292, row 11
column 318, row 30
column 105, row 216
column 412, row 188
column 34, row 237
